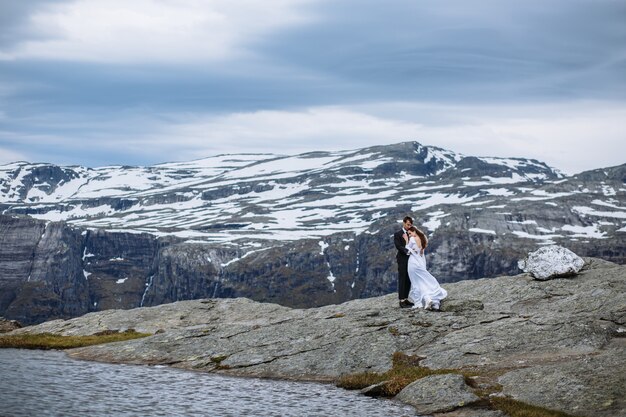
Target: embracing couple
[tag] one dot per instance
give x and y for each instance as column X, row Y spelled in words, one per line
column 417, row 288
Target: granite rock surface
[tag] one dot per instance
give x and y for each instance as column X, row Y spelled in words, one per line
column 557, row 344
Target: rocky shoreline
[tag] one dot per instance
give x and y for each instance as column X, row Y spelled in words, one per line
column 557, row 344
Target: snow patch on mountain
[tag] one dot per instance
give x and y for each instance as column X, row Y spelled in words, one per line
column 260, row 197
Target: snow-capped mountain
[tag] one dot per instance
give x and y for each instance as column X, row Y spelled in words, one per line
column 268, row 196
column 300, row 230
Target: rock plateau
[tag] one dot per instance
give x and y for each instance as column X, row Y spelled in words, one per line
column 558, row 344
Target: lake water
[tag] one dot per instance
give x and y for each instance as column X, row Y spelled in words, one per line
column 48, row 383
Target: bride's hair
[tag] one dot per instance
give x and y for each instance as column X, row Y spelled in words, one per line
column 422, row 237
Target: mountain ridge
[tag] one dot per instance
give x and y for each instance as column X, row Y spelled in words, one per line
column 303, row 230
column 215, row 179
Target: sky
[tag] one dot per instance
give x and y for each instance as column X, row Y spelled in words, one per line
column 94, row 83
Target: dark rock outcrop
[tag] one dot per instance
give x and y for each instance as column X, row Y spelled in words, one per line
column 8, row 325
column 42, row 271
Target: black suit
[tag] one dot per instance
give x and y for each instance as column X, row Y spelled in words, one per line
column 404, row 284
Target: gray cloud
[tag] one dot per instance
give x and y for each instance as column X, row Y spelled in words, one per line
column 464, row 50
column 353, row 53
column 14, row 20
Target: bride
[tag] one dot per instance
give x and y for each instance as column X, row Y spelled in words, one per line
column 425, row 290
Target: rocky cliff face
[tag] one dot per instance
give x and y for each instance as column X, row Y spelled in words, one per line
column 51, row 270
column 302, row 231
column 557, row 344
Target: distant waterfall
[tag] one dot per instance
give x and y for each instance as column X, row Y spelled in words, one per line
column 148, row 285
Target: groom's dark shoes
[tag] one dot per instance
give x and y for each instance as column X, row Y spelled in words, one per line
column 405, row 304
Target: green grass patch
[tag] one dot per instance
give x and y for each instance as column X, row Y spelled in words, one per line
column 482, row 385
column 47, row 341
column 394, row 331
column 217, row 360
column 515, row 408
column 405, row 369
column 487, row 391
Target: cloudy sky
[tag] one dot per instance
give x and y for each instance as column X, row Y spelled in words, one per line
column 139, row 82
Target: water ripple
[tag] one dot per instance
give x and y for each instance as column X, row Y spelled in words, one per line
column 48, row 383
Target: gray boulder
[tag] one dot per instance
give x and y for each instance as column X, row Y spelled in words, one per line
column 551, row 262
column 438, row 393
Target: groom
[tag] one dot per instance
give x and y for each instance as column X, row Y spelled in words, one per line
column 404, row 284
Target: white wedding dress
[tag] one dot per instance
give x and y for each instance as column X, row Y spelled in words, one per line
column 425, row 290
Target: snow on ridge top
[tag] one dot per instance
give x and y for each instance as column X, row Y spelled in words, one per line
column 281, row 167
column 449, row 158
column 520, row 163
column 124, row 182
column 220, row 161
column 354, row 159
column 13, row 166
column 442, row 154
column 374, row 164
column 290, row 197
column 24, row 164
column 366, row 161
column 513, row 163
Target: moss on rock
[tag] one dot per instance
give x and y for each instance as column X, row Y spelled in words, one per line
column 47, row 341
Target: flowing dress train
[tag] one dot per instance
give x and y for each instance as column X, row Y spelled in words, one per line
column 425, row 290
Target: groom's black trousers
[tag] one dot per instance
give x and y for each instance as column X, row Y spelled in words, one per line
column 404, row 284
